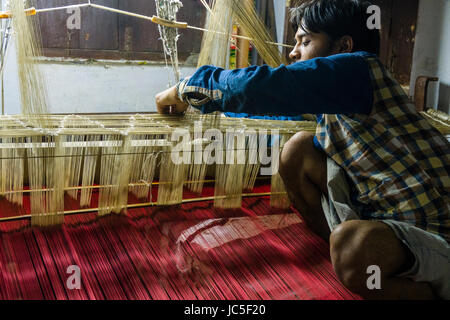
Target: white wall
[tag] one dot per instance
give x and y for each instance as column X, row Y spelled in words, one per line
column 77, row 87
column 81, row 87
column 280, row 15
column 432, row 48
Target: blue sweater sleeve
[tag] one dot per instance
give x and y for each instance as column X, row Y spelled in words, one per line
column 265, row 117
column 338, row 84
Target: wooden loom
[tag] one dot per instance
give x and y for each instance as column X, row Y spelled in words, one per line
column 122, row 154
column 109, row 147
column 123, row 159
column 118, row 154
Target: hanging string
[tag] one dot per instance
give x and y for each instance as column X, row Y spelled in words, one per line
column 167, row 10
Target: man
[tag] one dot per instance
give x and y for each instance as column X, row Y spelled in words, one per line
column 375, row 174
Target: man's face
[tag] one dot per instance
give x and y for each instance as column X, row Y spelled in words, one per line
column 311, row 45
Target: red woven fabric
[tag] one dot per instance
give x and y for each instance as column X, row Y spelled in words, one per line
column 188, row 252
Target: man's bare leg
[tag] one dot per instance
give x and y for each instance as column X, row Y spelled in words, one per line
column 356, row 245
column 303, row 169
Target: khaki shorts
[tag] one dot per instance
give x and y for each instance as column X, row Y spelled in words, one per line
column 431, row 252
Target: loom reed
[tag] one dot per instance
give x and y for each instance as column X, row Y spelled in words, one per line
column 124, row 154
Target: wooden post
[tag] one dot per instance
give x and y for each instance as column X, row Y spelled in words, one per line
column 243, row 45
column 421, row 92
column 288, row 33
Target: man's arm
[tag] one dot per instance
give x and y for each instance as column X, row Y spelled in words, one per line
column 169, row 102
column 337, row 84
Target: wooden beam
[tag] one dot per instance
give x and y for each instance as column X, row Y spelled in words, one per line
column 243, row 45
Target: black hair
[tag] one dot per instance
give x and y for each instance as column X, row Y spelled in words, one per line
column 338, row 18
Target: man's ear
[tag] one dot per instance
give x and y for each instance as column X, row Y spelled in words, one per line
column 345, row 44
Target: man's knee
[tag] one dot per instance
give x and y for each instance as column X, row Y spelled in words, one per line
column 294, row 151
column 356, row 245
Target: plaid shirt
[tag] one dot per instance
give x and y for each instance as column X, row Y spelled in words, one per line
column 399, row 163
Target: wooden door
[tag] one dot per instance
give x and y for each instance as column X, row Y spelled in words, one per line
column 398, row 31
column 108, row 35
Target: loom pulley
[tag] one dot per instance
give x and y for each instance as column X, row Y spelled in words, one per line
column 7, row 14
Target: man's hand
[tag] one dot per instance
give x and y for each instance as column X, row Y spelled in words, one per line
column 167, row 102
